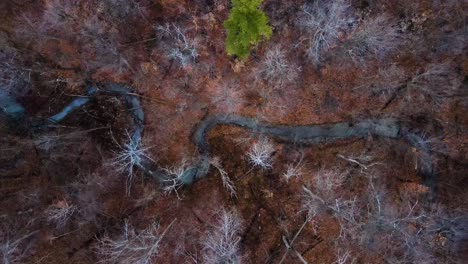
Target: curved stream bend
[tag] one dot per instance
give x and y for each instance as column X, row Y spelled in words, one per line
column 384, row 127
column 312, row 134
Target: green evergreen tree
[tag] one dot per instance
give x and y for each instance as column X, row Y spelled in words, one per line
column 246, row 26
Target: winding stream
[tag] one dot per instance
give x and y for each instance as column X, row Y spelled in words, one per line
column 305, row 134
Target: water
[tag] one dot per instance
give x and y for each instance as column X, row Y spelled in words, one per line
column 10, row 107
column 306, row 134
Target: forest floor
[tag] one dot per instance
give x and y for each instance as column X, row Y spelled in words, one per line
column 52, row 49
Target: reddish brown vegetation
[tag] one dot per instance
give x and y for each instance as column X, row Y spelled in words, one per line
column 59, row 197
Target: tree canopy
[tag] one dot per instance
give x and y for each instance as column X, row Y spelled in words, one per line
column 246, row 26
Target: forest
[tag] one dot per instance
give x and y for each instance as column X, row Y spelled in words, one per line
column 233, row 131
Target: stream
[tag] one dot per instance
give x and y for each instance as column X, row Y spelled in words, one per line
column 304, row 134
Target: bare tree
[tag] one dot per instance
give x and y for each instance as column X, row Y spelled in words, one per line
column 293, row 171
column 177, row 176
column 70, row 20
column 123, row 9
column 131, row 155
column 385, row 83
column 14, row 79
column 260, row 154
column 180, row 48
column 86, row 193
column 323, row 23
column 227, row 183
column 60, row 13
column 221, row 243
column 228, row 98
column 312, row 204
column 344, row 256
column 131, row 247
column 374, row 38
column 327, row 181
column 436, row 83
column 60, row 212
column 11, row 250
column 407, row 232
column 276, row 69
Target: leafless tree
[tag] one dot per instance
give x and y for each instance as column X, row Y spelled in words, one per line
column 374, row 38
column 344, row 257
column 60, row 212
column 11, row 250
column 276, row 69
column 131, row 247
column 123, row 9
column 436, row 83
column 221, row 243
column 227, row 183
column 293, row 171
column 131, row 155
column 176, row 175
column 260, row 154
column 323, row 23
column 14, row 79
column 327, row 181
column 385, row 82
column 180, row 47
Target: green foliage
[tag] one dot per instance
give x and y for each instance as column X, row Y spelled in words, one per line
column 246, row 27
